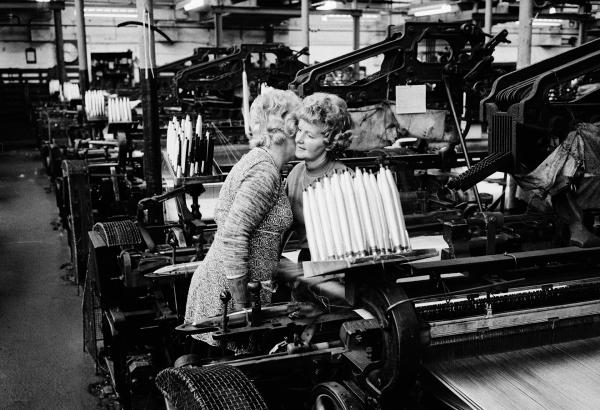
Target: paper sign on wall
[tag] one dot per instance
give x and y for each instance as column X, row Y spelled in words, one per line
column 410, row 99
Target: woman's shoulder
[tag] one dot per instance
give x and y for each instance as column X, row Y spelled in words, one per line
column 296, row 171
column 339, row 165
column 257, row 159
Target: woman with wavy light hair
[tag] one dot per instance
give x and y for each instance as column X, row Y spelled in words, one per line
column 252, row 214
column 324, row 126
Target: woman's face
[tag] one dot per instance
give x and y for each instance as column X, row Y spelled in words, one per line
column 310, row 141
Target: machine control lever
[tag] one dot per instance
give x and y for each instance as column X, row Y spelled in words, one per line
column 225, row 297
column 254, row 287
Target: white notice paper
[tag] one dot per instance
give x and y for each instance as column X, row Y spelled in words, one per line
column 410, row 99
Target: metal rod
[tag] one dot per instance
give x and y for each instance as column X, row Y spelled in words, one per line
column 305, row 23
column 461, row 138
column 81, row 48
column 482, row 288
column 356, row 39
column 60, row 56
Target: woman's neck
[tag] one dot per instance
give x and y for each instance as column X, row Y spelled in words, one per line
column 317, row 164
column 277, row 155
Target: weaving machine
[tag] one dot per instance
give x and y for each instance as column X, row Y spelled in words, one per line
column 166, row 72
column 129, row 319
column 101, row 179
column 534, row 116
column 214, row 87
column 483, row 327
column 525, row 113
column 417, row 53
column 395, row 335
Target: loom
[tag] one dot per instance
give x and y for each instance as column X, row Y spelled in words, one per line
column 416, row 53
column 129, row 318
column 166, row 72
column 389, row 332
column 214, row 87
column 528, row 110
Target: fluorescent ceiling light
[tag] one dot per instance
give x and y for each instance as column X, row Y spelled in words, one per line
column 431, row 10
column 195, row 4
column 43, row 1
column 329, row 5
column 110, row 12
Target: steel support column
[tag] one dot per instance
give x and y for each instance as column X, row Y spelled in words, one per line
column 81, row 48
column 488, row 17
column 60, row 56
column 152, row 155
column 523, row 60
column 305, row 23
column 218, row 17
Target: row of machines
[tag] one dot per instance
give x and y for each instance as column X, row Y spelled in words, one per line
column 378, row 334
column 129, row 314
column 382, row 334
column 362, row 333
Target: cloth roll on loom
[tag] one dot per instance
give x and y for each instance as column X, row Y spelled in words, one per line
column 189, row 152
column 353, row 216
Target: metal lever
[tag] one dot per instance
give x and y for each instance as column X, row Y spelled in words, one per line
column 461, row 138
column 172, row 240
column 254, row 288
column 225, row 297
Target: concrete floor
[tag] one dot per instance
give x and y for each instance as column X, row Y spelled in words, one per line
column 42, row 362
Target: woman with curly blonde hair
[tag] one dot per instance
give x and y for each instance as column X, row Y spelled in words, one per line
column 252, row 214
column 324, row 126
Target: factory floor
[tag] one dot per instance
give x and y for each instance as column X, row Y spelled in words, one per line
column 42, row 362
